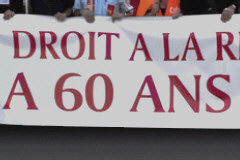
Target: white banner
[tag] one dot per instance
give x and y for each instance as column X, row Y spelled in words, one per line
column 138, row 72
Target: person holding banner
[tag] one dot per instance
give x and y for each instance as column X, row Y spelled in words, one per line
column 158, row 7
column 225, row 7
column 91, row 8
column 134, row 4
column 196, row 7
column 123, row 9
column 61, row 9
column 10, row 7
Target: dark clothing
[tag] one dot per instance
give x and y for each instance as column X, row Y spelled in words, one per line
column 135, row 4
column 163, row 10
column 191, row 7
column 15, row 5
column 219, row 5
column 50, row 7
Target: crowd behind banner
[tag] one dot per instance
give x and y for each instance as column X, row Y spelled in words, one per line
column 118, row 9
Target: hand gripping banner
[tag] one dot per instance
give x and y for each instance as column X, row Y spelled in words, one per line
column 138, row 72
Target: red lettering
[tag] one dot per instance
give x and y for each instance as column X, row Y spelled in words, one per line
column 81, row 45
column 218, row 93
column 91, row 46
column 143, row 48
column 16, row 44
column 44, row 45
column 195, row 48
column 154, row 95
column 194, row 103
column 221, row 46
column 26, row 93
column 108, row 92
column 59, row 93
column 166, row 48
column 108, row 43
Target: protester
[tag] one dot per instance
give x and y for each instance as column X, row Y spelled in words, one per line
column 158, row 7
column 225, row 7
column 135, row 4
column 195, row 7
column 91, row 8
column 144, row 6
column 10, row 7
column 61, row 9
column 123, row 9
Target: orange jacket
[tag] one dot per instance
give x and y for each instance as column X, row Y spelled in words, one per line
column 172, row 7
column 144, row 6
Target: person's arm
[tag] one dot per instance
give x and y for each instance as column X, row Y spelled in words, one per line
column 228, row 13
column 177, row 15
column 80, row 9
column 69, row 4
column 155, row 9
column 16, row 6
column 123, row 9
column 61, row 16
column 87, row 14
column 8, row 14
column 68, row 12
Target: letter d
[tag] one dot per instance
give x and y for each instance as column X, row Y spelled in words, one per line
column 16, row 44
